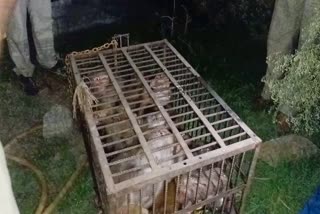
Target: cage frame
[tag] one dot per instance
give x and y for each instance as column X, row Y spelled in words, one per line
column 161, row 174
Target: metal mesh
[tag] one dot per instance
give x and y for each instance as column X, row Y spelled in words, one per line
column 158, row 122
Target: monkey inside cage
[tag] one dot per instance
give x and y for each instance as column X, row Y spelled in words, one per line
column 160, row 139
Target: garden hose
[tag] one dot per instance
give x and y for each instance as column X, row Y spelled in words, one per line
column 41, row 180
column 42, row 209
column 21, row 135
column 66, row 188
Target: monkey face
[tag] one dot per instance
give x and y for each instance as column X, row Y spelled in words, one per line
column 160, row 83
column 99, row 82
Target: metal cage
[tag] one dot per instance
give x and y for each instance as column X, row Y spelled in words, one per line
column 161, row 140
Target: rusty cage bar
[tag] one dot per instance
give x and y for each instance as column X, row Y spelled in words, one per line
column 161, row 140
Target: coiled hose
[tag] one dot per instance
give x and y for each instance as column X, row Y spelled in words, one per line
column 42, row 206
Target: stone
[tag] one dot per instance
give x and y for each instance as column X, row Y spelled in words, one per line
column 287, row 148
column 57, row 122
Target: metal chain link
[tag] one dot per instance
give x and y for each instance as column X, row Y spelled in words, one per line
column 87, row 52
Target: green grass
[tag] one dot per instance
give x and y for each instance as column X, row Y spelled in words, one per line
column 231, row 62
column 81, row 198
column 57, row 157
column 283, row 189
column 25, row 187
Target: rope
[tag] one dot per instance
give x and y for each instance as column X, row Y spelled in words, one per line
column 84, row 97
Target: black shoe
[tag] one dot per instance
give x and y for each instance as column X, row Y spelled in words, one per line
column 29, row 86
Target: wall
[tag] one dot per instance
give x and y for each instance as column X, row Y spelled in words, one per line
column 74, row 15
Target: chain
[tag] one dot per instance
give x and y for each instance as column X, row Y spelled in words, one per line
column 113, row 43
column 84, row 53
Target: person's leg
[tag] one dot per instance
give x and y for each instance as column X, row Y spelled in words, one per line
column 19, row 47
column 18, row 40
column 283, row 34
column 41, row 19
column 6, row 9
column 312, row 7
